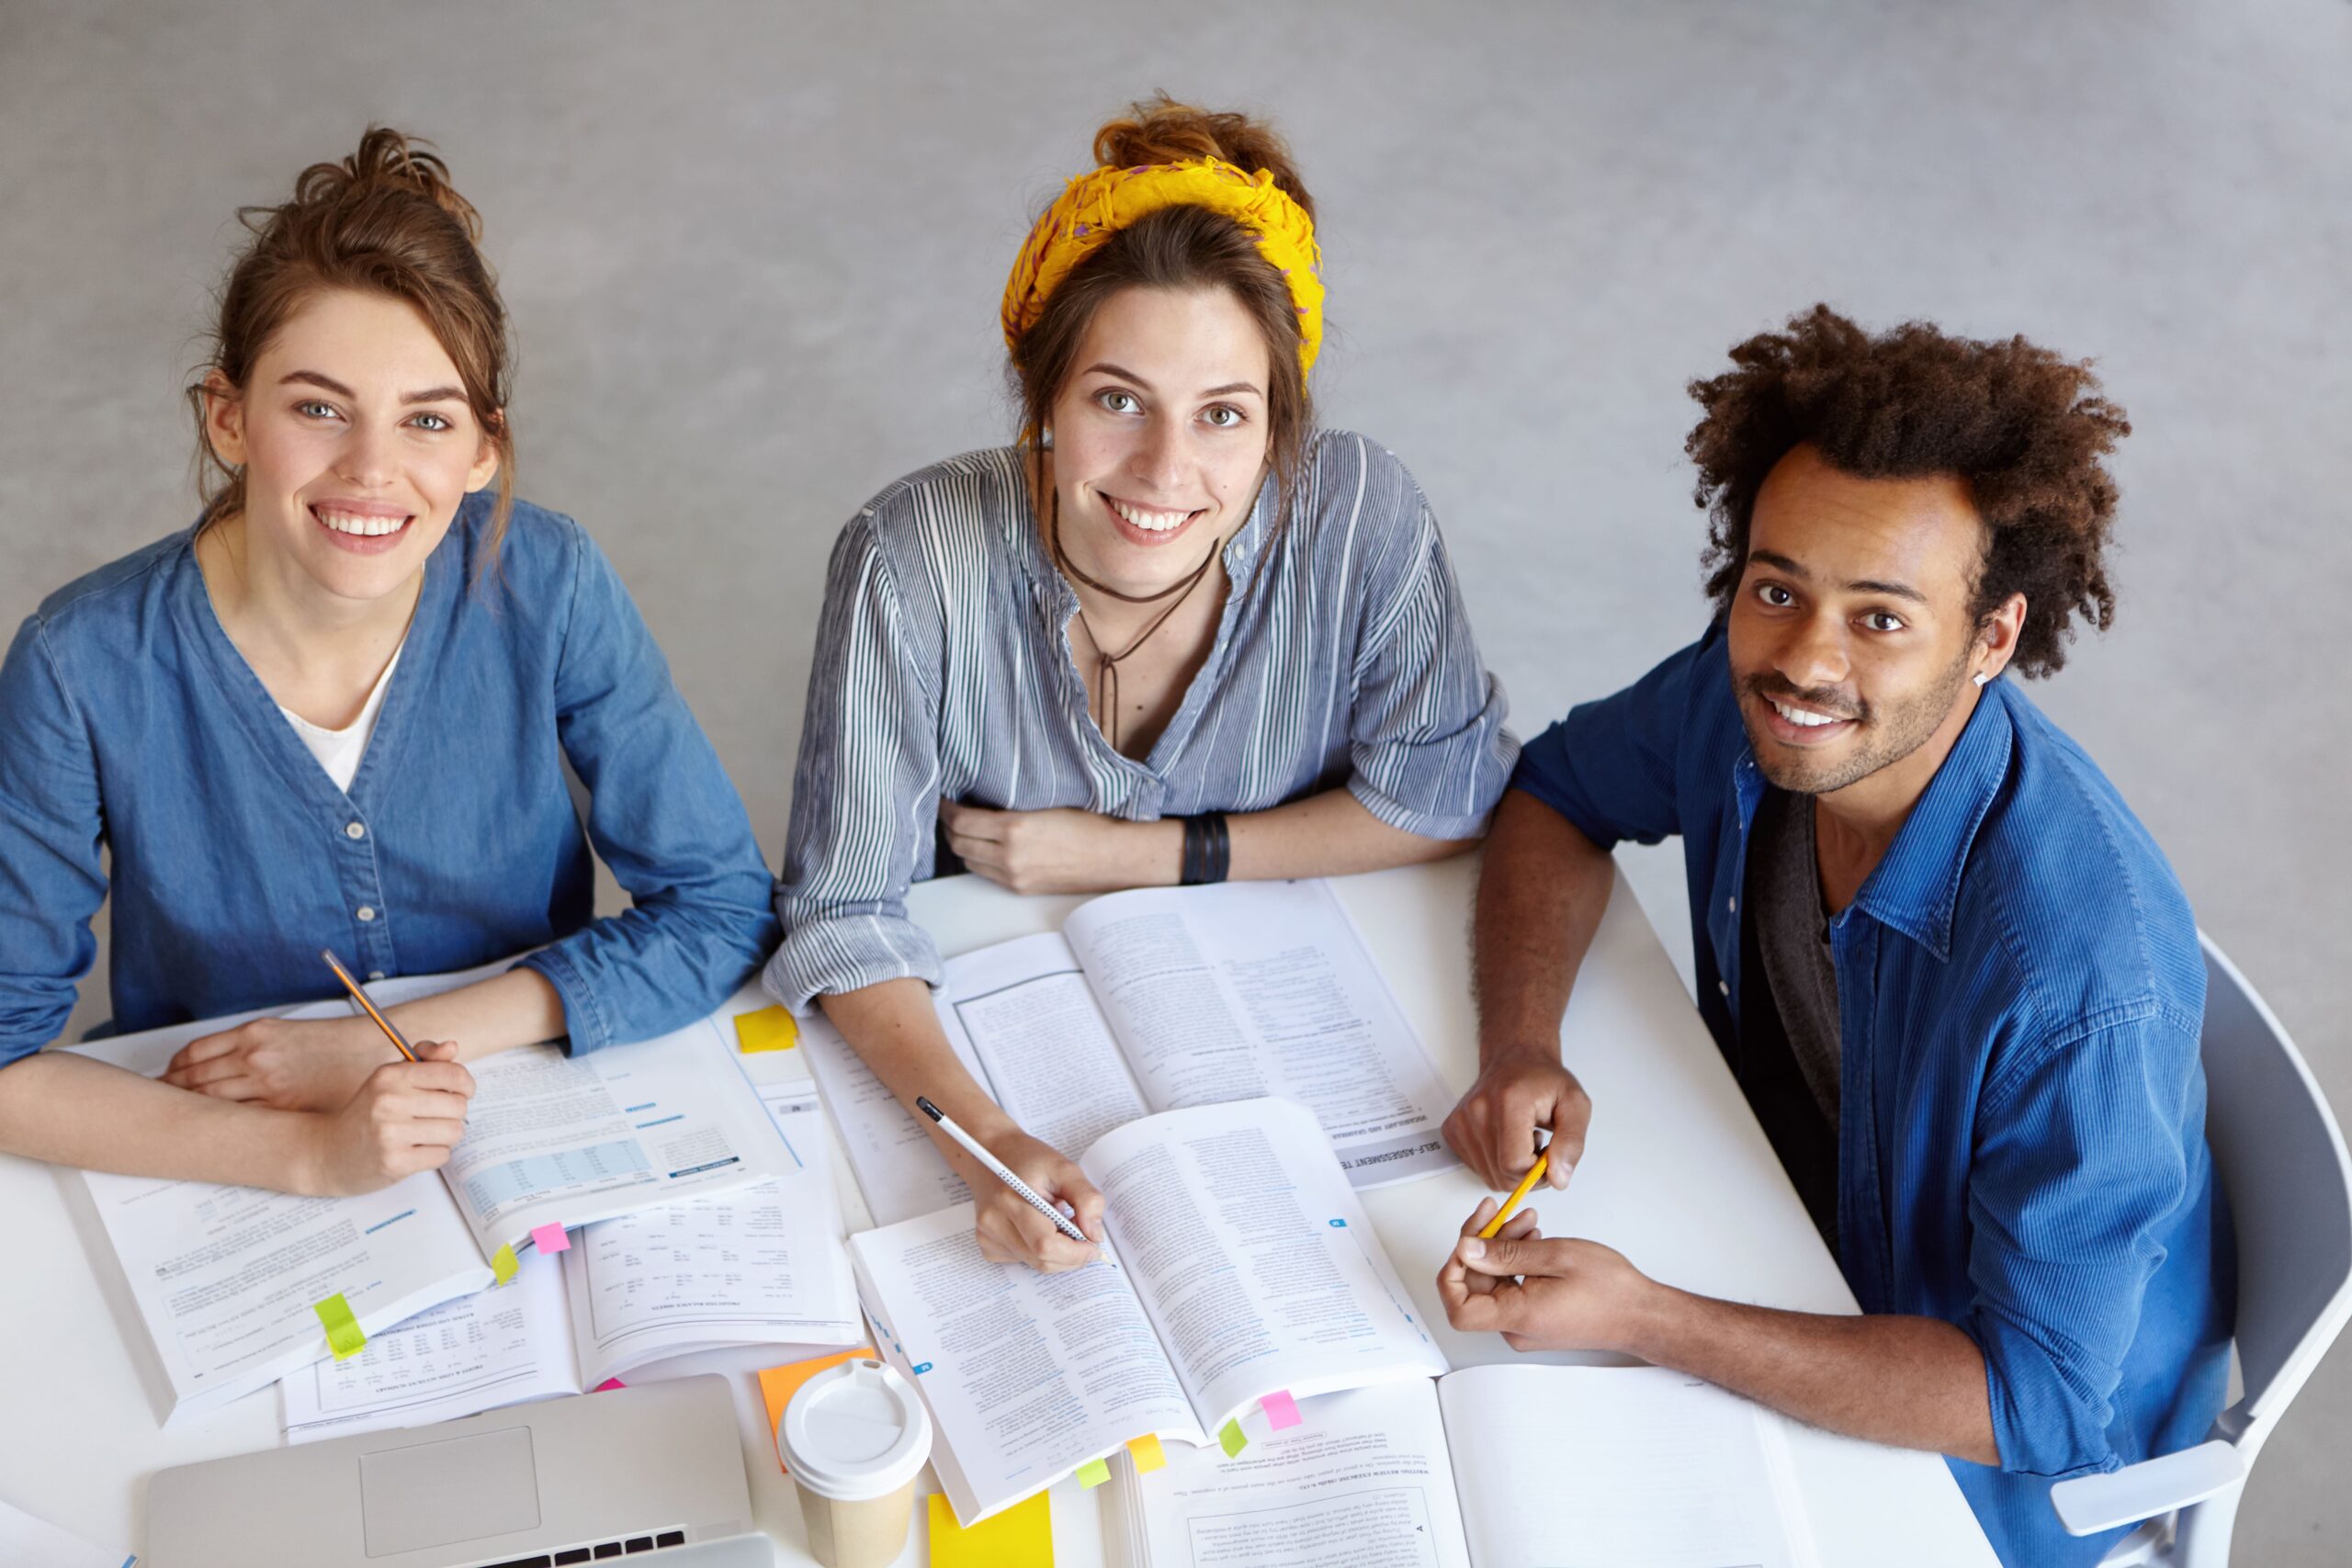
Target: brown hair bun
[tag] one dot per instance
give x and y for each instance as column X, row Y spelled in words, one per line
column 1161, row 130
column 386, row 161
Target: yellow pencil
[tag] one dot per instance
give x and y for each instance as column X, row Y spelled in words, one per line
column 381, row 1021
column 1526, row 1185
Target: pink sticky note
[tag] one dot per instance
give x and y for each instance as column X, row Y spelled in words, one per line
column 608, row 1382
column 552, row 1238
column 1282, row 1410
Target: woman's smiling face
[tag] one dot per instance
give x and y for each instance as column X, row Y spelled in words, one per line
column 357, row 444
column 1159, row 435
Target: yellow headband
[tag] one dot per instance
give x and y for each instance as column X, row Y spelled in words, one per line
column 1096, row 206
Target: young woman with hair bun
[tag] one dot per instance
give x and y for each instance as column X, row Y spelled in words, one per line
column 1176, row 633
column 336, row 713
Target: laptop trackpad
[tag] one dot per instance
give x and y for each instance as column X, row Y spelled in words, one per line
column 439, row 1493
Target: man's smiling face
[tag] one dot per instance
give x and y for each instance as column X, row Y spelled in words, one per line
column 1851, row 633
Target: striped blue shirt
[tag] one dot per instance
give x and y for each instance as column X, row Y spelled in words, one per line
column 1343, row 657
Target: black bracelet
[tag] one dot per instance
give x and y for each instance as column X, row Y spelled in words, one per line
column 1208, row 849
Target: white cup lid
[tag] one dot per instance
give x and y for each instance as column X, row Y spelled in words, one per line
column 855, row 1431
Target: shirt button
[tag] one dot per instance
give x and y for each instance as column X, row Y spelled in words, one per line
column 1732, row 903
column 354, row 830
column 375, row 974
column 1724, row 985
column 366, row 912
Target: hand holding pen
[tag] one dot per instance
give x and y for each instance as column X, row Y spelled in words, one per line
column 1033, row 1205
column 406, row 1117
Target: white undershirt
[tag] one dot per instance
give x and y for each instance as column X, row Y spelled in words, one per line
column 339, row 751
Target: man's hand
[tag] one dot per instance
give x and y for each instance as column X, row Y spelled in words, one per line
column 286, row 1064
column 1542, row 1293
column 1010, row 1231
column 406, row 1118
column 1516, row 1094
column 1063, row 850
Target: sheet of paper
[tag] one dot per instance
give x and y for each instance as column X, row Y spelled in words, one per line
column 491, row 1348
column 28, row 1542
column 1253, row 1258
column 226, row 1277
column 899, row 1171
column 1024, row 1010
column 763, row 1264
column 1364, row 1478
column 1027, row 1375
column 1249, row 988
column 572, row 1140
column 1638, row 1467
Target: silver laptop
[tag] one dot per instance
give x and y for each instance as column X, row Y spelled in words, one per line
column 650, row 1475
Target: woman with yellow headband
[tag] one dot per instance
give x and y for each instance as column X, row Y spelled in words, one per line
column 1176, row 634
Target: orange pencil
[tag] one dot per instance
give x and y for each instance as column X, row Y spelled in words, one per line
column 361, row 998
column 1526, row 1185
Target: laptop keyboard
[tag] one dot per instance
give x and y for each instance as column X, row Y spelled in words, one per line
column 628, row 1546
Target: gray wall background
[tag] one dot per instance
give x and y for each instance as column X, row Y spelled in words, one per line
column 753, row 255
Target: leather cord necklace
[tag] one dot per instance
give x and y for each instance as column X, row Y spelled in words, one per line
column 1107, row 663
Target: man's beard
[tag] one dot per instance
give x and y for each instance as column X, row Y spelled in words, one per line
column 1885, row 737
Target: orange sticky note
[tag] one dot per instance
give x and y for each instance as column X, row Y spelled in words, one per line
column 1021, row 1536
column 1148, row 1455
column 770, row 1029
column 777, row 1383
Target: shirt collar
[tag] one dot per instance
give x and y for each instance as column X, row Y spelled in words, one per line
column 1916, row 884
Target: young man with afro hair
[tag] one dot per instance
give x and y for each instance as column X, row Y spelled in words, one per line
column 1953, row 974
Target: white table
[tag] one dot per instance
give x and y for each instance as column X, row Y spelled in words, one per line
column 1675, row 1174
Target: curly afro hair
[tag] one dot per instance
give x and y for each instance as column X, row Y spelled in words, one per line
column 2023, row 427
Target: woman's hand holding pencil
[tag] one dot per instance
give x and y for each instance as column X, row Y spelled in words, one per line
column 406, row 1117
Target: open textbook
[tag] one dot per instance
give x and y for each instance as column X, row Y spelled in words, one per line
column 1492, row 1467
column 1239, row 1264
column 227, row 1279
column 759, row 1266
column 1158, row 1000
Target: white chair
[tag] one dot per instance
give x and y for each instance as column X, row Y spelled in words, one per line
column 2284, row 1172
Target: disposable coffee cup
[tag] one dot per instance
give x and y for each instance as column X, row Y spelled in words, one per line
column 854, row 1438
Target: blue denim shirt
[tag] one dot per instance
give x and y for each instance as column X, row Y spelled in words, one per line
column 129, row 724
column 2020, row 1148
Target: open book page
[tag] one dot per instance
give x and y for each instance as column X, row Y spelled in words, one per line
column 1253, row 1258
column 1249, row 988
column 570, row 1140
column 1024, row 1010
column 28, row 1542
column 900, row 1172
column 494, row 1347
column 762, row 1266
column 225, row 1277
column 1363, row 1481
column 1028, row 1375
column 1620, row 1467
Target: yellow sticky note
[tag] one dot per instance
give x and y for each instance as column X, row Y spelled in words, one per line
column 343, row 1329
column 1093, row 1473
column 777, row 1385
column 770, row 1029
column 1021, row 1536
column 504, row 1264
column 1148, row 1455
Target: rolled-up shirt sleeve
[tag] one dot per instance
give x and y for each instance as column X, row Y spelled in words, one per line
column 2083, row 1155
column 1611, row 766
column 1427, row 742
column 865, row 793
column 664, row 817
column 51, row 880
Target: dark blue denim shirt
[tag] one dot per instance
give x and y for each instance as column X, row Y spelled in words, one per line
column 2020, row 1149
column 131, row 725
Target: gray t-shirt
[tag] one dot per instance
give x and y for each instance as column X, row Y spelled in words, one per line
column 1792, row 939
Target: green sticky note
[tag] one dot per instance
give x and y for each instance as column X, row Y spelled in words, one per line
column 504, row 1264
column 1231, row 1439
column 343, row 1329
column 1093, row 1473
